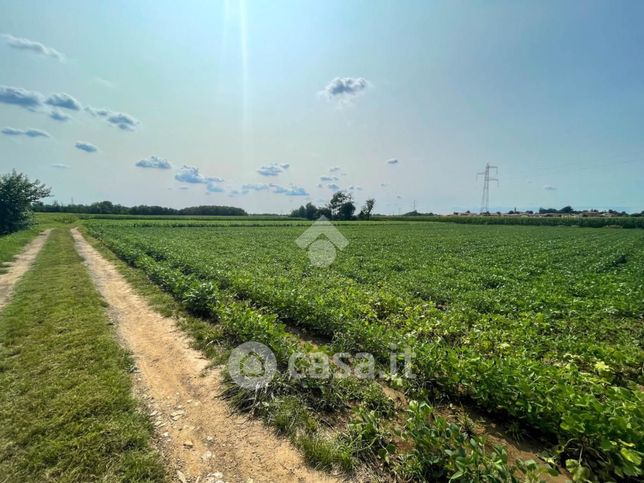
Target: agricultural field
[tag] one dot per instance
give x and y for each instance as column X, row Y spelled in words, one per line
column 537, row 329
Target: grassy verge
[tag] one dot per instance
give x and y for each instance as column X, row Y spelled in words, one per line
column 11, row 245
column 66, row 410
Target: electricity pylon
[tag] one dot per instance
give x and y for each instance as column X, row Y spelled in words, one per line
column 485, row 199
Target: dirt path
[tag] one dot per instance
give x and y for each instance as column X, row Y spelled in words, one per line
column 199, row 435
column 19, row 267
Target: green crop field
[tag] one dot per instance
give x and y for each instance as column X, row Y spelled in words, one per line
column 538, row 328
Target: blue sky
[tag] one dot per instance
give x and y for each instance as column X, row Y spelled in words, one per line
column 270, row 104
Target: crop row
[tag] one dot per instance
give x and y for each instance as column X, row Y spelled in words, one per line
column 588, row 413
column 437, row 450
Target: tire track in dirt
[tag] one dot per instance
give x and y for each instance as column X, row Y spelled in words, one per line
column 199, row 436
column 19, row 266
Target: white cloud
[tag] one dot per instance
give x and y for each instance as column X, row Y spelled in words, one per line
column 21, row 97
column 213, row 187
column 35, row 101
column 154, row 162
column 273, row 169
column 122, row 121
column 119, row 119
column 191, row 174
column 65, row 101
column 254, row 187
column 32, row 133
column 32, row 46
column 87, row 147
column 56, row 115
column 329, row 178
column 290, row 191
column 344, row 89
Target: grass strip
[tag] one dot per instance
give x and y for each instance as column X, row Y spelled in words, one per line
column 66, row 409
column 12, row 244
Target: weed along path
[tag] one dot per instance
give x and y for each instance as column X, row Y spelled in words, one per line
column 200, row 438
column 19, row 267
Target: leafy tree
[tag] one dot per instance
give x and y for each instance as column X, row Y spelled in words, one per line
column 346, row 210
column 17, row 194
column 311, row 211
column 341, row 206
column 365, row 212
column 299, row 212
column 337, row 200
column 324, row 211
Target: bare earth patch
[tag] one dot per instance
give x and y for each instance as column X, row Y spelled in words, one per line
column 19, row 266
column 200, row 437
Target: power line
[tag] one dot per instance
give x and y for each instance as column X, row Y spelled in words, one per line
column 485, row 199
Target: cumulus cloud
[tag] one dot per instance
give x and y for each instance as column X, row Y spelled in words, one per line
column 122, row 121
column 333, row 187
column 19, row 43
column 154, row 162
column 254, row 187
column 87, row 147
column 18, row 96
column 273, row 169
column 549, row 188
column 35, row 101
column 393, row 161
column 191, row 174
column 329, row 178
column 56, row 115
column 65, row 101
column 98, row 112
column 344, row 89
column 118, row 119
column 288, row 191
column 355, row 188
column 334, row 169
column 60, row 166
column 213, row 187
column 32, row 133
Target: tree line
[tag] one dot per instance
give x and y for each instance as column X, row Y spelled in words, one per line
column 340, row 207
column 109, row 208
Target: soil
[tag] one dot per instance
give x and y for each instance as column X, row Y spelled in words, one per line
column 201, row 439
column 19, row 266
